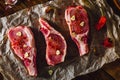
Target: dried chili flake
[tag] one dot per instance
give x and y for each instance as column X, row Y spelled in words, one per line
column 108, row 43
column 101, row 22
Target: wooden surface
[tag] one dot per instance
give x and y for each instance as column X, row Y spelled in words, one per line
column 108, row 72
column 21, row 4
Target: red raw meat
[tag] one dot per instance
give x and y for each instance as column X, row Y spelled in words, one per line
column 78, row 22
column 56, row 44
column 23, row 44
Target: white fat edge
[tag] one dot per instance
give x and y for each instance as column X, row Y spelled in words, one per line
column 68, row 20
column 42, row 26
column 67, row 17
column 30, row 35
column 31, row 53
column 82, row 44
column 31, row 67
column 47, row 57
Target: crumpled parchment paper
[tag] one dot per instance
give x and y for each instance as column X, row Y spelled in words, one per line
column 12, row 68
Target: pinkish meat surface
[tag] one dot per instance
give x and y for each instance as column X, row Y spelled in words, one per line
column 77, row 20
column 11, row 2
column 56, row 44
column 23, row 44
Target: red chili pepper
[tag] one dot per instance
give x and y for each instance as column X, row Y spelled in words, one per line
column 107, row 43
column 101, row 22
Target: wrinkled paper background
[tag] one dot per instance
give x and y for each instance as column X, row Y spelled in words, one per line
column 12, row 68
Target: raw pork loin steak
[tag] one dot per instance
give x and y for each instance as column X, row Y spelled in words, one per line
column 23, row 44
column 77, row 20
column 56, row 44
